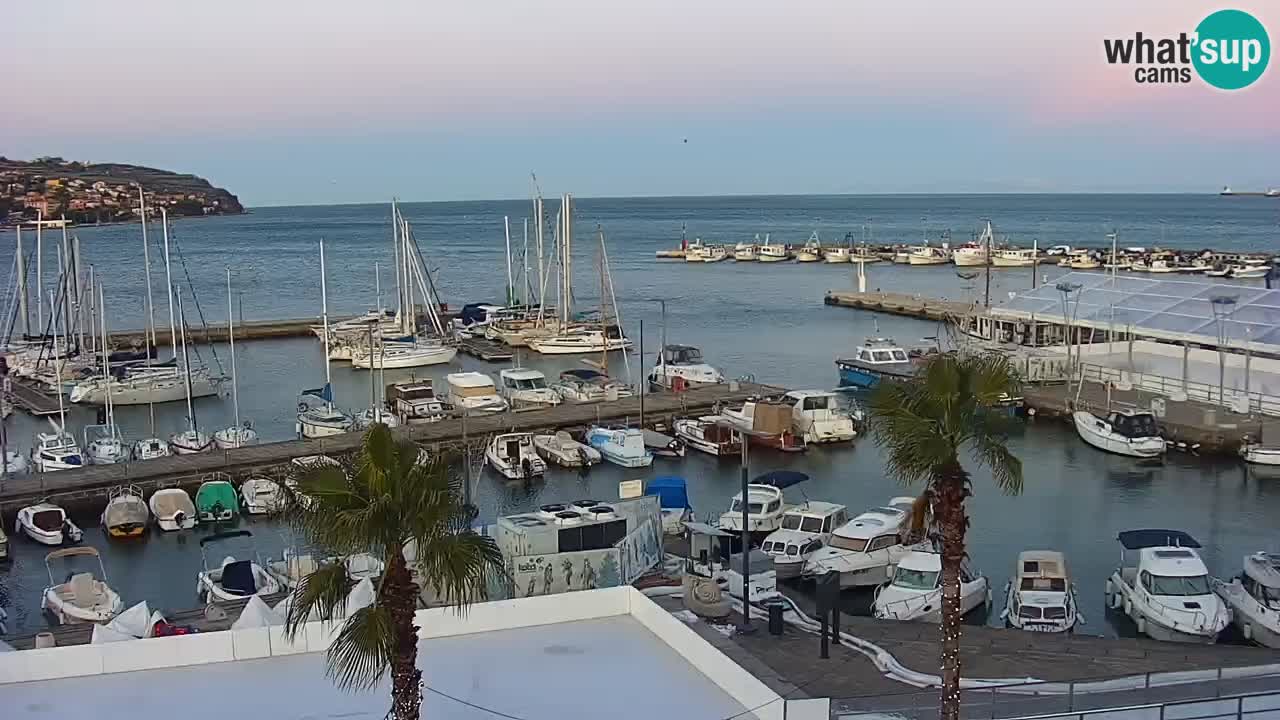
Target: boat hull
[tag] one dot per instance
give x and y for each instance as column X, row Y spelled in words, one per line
column 144, row 392
column 1087, row 430
column 1258, row 455
column 420, row 357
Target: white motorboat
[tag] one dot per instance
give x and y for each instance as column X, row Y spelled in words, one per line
column 1249, row 271
column 765, row 504
column 561, row 449
column 83, row 598
column 234, row 436
column 216, row 499
column 233, row 579
column 620, row 446
column 104, row 445
column 145, row 386
column 126, row 514
column 915, row 592
column 371, row 416
column 317, row 420
column 586, row 385
column 1014, row 257
column 928, row 255
column 56, row 451
column 261, row 496
column 582, row 341
column 680, row 367
column 292, row 568
column 150, row 449
column 1124, row 432
column 15, row 463
column 47, row 524
column 865, row 550
column 513, row 456
column 713, row 254
column 706, row 434
column 745, row 252
column 527, row 388
column 415, row 402
column 663, row 445
column 772, row 252
column 1254, row 598
column 811, row 251
column 1080, row 260
column 816, row 417
column 837, row 255
column 693, row 250
column 1166, row 592
column 805, row 529
column 768, row 423
column 173, row 510
column 474, row 393
column 190, row 442
column 392, row 356
column 1040, row 596
column 1259, row 454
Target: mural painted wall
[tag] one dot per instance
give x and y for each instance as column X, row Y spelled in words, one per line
column 563, row 572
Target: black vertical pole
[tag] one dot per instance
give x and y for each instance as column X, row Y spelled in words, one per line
column 746, row 543
column 373, row 379
column 643, row 381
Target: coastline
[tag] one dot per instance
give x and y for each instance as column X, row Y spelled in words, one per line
column 5, row 227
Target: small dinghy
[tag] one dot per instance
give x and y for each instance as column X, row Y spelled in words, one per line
column 216, row 499
column 663, row 445
column 233, row 579
column 1254, row 599
column 47, row 524
column 620, row 446
column 261, row 496
column 173, row 509
column 514, row 457
column 83, row 598
column 564, row 451
column 126, row 514
column 915, row 592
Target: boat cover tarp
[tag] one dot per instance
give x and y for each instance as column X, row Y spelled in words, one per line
column 137, row 621
column 256, row 614
column 215, row 495
column 781, row 479
column 237, row 578
column 107, row 634
column 169, row 504
column 1139, row 539
column 124, row 512
column 672, row 492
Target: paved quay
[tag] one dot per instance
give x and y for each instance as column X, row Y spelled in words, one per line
column 893, row 303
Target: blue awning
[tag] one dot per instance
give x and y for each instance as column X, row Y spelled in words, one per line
column 671, row 490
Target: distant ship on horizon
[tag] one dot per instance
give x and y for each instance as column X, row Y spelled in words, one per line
column 1270, row 192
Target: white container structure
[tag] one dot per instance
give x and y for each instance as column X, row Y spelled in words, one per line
column 1254, row 598
column 805, row 530
column 1166, row 592
column 864, row 551
column 1134, row 433
column 915, row 592
column 1040, row 597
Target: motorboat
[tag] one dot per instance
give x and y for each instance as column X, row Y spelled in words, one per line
column 527, row 388
column 864, row 551
column 391, row 356
column 474, row 393
column 1260, row 454
column 47, row 524
column 150, row 449
column 745, row 252
column 928, row 255
column 513, row 456
column 767, row 424
column 765, row 504
column 56, row 451
column 876, row 360
column 190, row 442
column 708, row 435
column 126, row 514
column 374, row 415
column 1254, row 598
column 837, row 255
column 817, row 418
column 811, row 251
column 680, row 367
column 582, row 341
column 713, row 254
column 15, row 463
column 673, row 500
column 1013, row 257
column 173, row 510
column 321, row 419
column 587, row 385
column 1040, row 596
column 863, row 256
column 234, row 436
column 84, row 597
column 1158, row 266
column 216, row 499
column 415, row 402
column 693, row 250
column 561, row 449
column 663, row 445
column 292, row 568
column 915, row 592
column 1124, row 432
column 104, row 445
column 4, row 556
column 1249, row 271
column 1166, row 592
column 261, row 496
column 970, row 255
column 1080, row 260
column 772, row 252
column 805, row 529
column 620, row 446
column 233, row 579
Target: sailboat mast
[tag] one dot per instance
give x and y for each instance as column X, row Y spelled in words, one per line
column 93, row 316
column 57, row 371
column 186, row 367
column 82, row 302
column 146, row 265
column 40, row 274
column 231, row 339
column 324, row 319
column 542, row 281
column 395, row 248
column 69, row 291
column 22, row 287
column 106, row 361
column 377, row 289
column 524, row 290
column 511, row 288
column 168, row 280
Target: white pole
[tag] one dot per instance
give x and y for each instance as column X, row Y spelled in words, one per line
column 324, row 318
column 93, row 331
column 411, row 312
column 59, row 364
column 524, row 282
column 511, row 288
column 231, row 339
column 395, row 245
column 69, row 293
column 186, row 368
column 22, row 287
column 168, row 280
column 106, row 364
column 542, row 280
column 82, row 302
column 377, row 289
column 146, row 264
column 40, row 274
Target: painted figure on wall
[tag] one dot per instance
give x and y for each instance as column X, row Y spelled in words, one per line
column 548, row 575
column 568, row 573
column 588, row 575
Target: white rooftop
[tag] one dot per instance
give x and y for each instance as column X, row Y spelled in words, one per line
column 469, row 379
column 522, row 374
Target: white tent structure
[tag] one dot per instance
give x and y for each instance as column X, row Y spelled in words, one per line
column 257, row 614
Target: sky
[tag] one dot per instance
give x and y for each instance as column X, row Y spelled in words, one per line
column 328, row 101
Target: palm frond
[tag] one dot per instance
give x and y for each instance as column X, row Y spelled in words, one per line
column 361, row 654
column 458, row 563
column 1006, row 468
column 323, row 593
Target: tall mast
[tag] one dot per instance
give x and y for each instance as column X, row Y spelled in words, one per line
column 22, row 287
column 186, row 368
column 538, row 232
column 231, row 338
column 524, row 255
column 377, row 290
column 82, row 302
column 69, row 293
column 324, row 319
column 395, row 246
column 57, row 372
column 146, row 264
column 93, row 315
column 168, row 280
column 106, row 362
column 40, row 275
column 511, row 288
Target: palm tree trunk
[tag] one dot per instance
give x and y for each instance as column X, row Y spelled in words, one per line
column 950, row 490
column 400, row 594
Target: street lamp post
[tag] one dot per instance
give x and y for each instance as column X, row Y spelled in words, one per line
column 1067, row 289
column 746, row 520
column 1223, row 306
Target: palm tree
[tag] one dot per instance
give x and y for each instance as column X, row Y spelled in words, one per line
column 383, row 499
column 924, row 425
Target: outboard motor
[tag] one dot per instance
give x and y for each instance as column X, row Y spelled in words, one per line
column 179, row 517
column 526, row 468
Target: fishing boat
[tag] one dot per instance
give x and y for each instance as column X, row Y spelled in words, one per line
column 1014, row 257
column 561, row 449
column 663, row 445
column 84, row 597
column 47, row 524
column 233, row 579
column 817, row 418
column 415, row 402
column 126, row 514
column 765, row 504
column 513, row 456
column 173, row 509
column 770, row 252
column 864, row 551
column 706, row 434
column 1254, row 598
column 673, row 501
column 767, row 424
column 588, row 385
column 474, row 393
column 1166, row 592
column 805, row 529
column 876, row 360
column 150, row 449
column 693, row 251
column 713, row 254
column 56, row 451
column 1040, row 597
column 261, row 496
column 915, row 592
column 971, row 254
column 620, row 446
column 836, row 255
column 928, row 255
column 680, row 367
column 216, row 499
column 811, row 251
column 527, row 388
column 746, row 252
column 1130, row 432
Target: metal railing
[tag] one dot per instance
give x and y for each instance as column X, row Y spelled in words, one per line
column 1166, row 386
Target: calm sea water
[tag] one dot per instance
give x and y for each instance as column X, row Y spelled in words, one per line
column 765, row 320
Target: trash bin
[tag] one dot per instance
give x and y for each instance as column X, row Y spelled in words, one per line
column 775, row 618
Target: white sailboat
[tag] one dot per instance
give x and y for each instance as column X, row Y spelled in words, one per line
column 191, row 440
column 237, row 435
column 56, row 450
column 321, row 420
column 103, row 443
column 152, row 447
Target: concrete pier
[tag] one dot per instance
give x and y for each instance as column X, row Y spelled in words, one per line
column 915, row 306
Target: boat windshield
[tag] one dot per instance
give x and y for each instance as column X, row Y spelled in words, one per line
column 915, row 579
column 684, row 356
column 1177, row 586
column 790, row 521
column 1135, row 426
column 752, row 508
column 531, row 384
column 899, row 356
column 846, row 543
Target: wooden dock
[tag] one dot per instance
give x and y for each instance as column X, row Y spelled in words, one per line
column 915, row 306
column 247, row 330
column 485, row 349
column 90, row 484
column 27, row 396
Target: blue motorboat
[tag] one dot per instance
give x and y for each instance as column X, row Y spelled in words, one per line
column 875, row 360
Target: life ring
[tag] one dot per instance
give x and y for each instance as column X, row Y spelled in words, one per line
column 302, row 407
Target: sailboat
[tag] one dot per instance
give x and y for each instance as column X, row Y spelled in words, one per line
column 56, row 450
column 103, row 443
column 236, row 435
column 321, row 420
column 191, row 440
column 377, row 412
column 152, row 446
